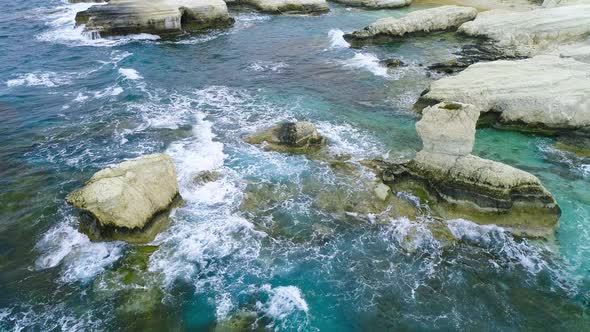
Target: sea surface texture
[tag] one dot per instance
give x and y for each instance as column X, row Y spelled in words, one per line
column 265, row 243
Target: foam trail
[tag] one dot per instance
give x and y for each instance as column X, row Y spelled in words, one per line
column 130, row 73
column 368, row 62
column 46, row 79
column 337, row 39
column 81, row 258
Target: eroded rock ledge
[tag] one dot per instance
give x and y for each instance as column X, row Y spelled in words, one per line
column 546, row 93
column 160, row 17
column 127, row 201
column 376, row 4
column 421, row 21
column 294, row 137
column 459, row 185
column 285, row 6
column 531, row 33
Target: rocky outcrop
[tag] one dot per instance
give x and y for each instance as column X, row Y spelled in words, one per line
column 558, row 3
column 122, row 17
column 531, row 33
column 542, row 93
column 420, row 21
column 129, row 196
column 460, row 185
column 287, row 6
column 376, row 4
column 294, row 137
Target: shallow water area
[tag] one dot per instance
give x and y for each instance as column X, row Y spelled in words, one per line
column 273, row 240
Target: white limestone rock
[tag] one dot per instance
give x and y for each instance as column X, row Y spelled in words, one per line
column 427, row 20
column 376, row 4
column 533, row 32
column 288, row 6
column 122, row 17
column 544, row 92
column 130, row 194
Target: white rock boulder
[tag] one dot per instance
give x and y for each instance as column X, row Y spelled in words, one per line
column 448, row 128
column 420, row 21
column 533, row 32
column 544, row 92
column 288, row 6
column 122, row 17
column 128, row 195
column 457, row 184
column 376, row 4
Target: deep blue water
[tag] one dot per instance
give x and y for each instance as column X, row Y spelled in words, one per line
column 70, row 106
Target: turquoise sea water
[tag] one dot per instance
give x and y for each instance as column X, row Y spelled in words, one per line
column 70, row 106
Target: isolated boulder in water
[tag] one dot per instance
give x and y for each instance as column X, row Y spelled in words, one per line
column 129, row 195
column 460, row 185
column 531, row 33
column 376, row 4
column 543, row 93
column 287, row 6
column 448, row 128
column 295, row 137
column 420, row 21
column 122, row 17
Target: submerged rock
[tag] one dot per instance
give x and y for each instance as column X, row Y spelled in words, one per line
column 376, row 4
column 460, row 185
column 421, row 21
column 160, row 17
column 531, row 33
column 128, row 197
column 294, row 137
column 542, row 93
column 392, row 63
column 287, row 6
column 576, row 142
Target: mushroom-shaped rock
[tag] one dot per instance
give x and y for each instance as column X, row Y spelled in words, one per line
column 531, row 33
column 295, row 137
column 544, row 92
column 376, row 4
column 288, row 6
column 448, row 128
column 129, row 195
column 461, row 185
column 421, row 21
column 121, row 17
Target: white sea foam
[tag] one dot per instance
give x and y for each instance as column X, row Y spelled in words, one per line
column 499, row 240
column 337, row 39
column 47, row 79
column 261, row 66
column 81, row 258
column 347, row 139
column 367, row 61
column 130, row 73
column 283, row 301
column 111, row 91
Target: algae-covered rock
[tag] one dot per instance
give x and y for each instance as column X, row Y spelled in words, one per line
column 576, row 142
column 122, row 17
column 421, row 21
column 241, row 321
column 293, row 137
column 457, row 184
column 128, row 197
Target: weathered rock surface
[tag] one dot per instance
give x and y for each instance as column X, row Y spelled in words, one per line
column 545, row 92
column 129, row 195
column 448, row 128
column 420, row 21
column 558, row 3
column 294, row 137
column 121, row 17
column 532, row 32
column 287, row 6
column 376, row 4
column 576, row 142
column 461, row 185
